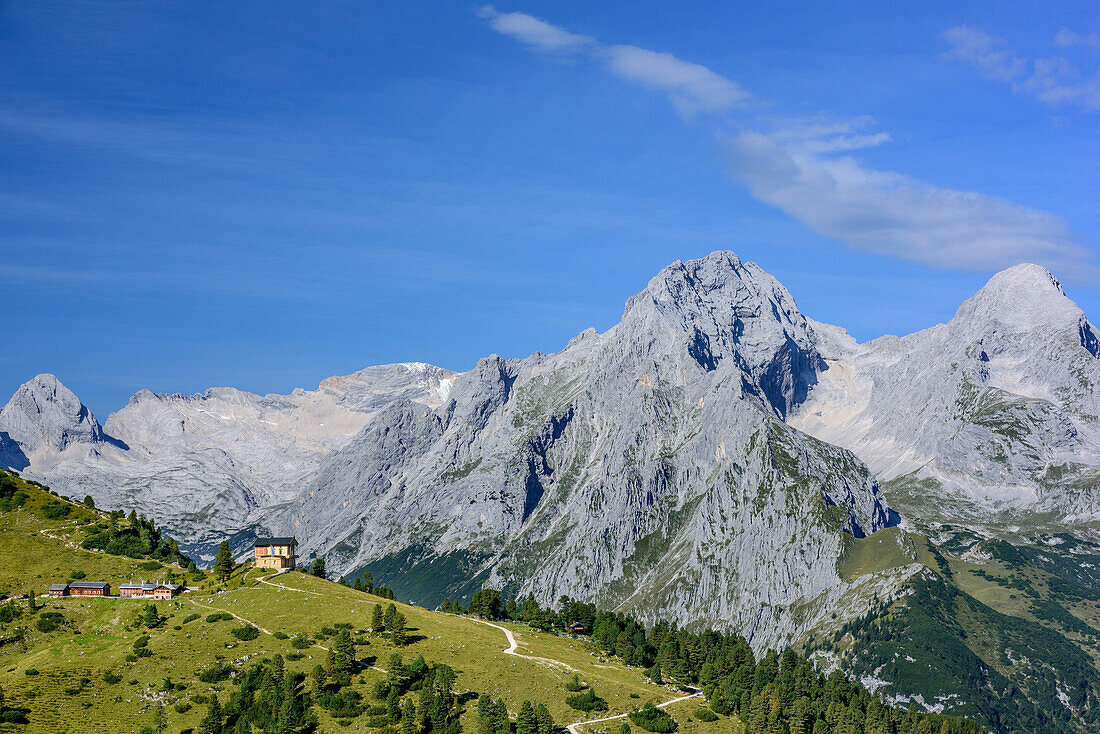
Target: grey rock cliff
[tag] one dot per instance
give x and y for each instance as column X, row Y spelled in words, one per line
column 992, row 416
column 206, row 465
column 647, row 467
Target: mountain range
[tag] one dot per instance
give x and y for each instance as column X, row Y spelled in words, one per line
column 714, row 458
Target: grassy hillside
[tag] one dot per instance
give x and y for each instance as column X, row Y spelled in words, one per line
column 98, row 664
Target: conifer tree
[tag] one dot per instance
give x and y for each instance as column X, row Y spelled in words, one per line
column 223, row 564
column 526, row 723
column 212, row 722
column 393, row 706
column 398, row 633
column 409, row 722
column 390, row 616
column 377, row 623
column 318, row 568
column 544, row 720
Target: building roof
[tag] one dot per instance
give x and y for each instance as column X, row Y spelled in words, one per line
column 276, row 541
column 89, row 585
column 58, row 587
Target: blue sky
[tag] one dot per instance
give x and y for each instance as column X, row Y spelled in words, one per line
column 265, row 194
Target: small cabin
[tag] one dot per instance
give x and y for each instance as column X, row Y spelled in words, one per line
column 164, row 592
column 58, row 590
column 131, row 591
column 277, row 553
column 158, row 591
column 89, row 588
column 576, row 628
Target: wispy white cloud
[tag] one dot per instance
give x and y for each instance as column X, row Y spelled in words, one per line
column 892, row 214
column 1054, row 80
column 989, row 54
column 823, row 134
column 692, row 87
column 1067, row 38
column 795, row 164
column 532, row 31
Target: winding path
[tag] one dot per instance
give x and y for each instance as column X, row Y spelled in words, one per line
column 512, row 649
column 573, row 728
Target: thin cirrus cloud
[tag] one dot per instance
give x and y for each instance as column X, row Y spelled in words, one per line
column 1054, row 80
column 692, row 88
column 796, row 165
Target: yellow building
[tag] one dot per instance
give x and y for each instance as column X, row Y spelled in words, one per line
column 276, row 553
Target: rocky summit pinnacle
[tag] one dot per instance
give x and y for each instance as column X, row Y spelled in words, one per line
column 44, row 414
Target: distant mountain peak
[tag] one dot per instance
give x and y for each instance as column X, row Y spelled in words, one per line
column 43, row 412
column 1023, row 296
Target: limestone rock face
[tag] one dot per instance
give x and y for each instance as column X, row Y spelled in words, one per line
column 45, row 415
column 647, row 467
column 994, row 416
column 206, row 465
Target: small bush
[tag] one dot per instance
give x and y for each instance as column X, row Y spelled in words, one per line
column 190, row 618
column 199, row 698
column 151, row 566
column 247, row 632
column 30, row 671
column 77, row 574
column 216, row 673
column 327, row 632
column 300, row 642
column 295, row 656
column 182, row 707
column 587, row 701
column 131, row 657
column 111, row 677
column 45, row 624
column 55, row 511
column 651, row 718
column 280, row 635
column 705, row 714
column 574, row 684
column 219, row 617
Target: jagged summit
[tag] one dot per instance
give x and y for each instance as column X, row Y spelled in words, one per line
column 1020, row 297
column 719, row 308
column 44, row 413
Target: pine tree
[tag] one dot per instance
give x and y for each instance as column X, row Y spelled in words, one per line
column 278, row 669
column 624, row 728
column 212, row 722
column 318, row 568
column 317, row 682
column 377, row 623
column 398, row 634
column 368, row 582
column 544, row 720
column 393, row 706
column 526, row 723
column 409, row 722
column 390, row 616
column 438, row 713
column 223, row 564
column 330, row 664
column 345, row 655
column 151, row 618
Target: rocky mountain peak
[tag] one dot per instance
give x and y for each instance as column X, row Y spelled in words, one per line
column 45, row 413
column 724, row 310
column 1021, row 297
